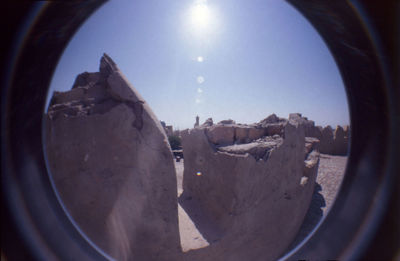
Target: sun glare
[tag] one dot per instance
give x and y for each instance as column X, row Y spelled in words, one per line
column 201, row 20
column 200, row 15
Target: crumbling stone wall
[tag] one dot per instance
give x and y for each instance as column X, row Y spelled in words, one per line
column 335, row 142
column 256, row 190
column 332, row 141
column 112, row 166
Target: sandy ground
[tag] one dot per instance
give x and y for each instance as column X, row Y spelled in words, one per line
column 190, row 236
column 330, row 173
column 179, row 175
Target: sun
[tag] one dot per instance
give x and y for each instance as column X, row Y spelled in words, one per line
column 200, row 16
column 202, row 20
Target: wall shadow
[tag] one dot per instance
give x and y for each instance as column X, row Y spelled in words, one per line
column 204, row 224
column 313, row 216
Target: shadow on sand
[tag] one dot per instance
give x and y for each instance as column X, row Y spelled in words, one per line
column 212, row 233
column 204, row 224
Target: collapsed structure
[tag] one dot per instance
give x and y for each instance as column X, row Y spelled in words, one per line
column 332, row 141
column 112, row 166
column 255, row 182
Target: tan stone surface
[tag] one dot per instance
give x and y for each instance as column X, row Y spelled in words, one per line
column 340, row 142
column 242, row 134
column 311, row 144
column 113, row 168
column 274, row 128
column 221, row 134
column 256, row 133
column 326, row 145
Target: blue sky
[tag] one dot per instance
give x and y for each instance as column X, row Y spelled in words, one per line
column 242, row 60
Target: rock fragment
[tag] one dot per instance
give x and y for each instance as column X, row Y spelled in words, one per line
column 208, row 123
column 311, row 145
column 326, row 145
column 270, row 119
column 227, row 122
column 340, row 141
column 273, row 125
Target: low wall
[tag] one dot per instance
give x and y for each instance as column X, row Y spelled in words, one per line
column 256, row 193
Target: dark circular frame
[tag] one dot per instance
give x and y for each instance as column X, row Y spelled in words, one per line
column 362, row 223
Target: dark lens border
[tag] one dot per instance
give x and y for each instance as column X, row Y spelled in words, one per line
column 34, row 225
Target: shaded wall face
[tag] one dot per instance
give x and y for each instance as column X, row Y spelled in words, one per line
column 203, row 178
column 124, row 203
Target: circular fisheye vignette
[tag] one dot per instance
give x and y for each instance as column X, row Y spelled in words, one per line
column 26, row 185
column 45, row 126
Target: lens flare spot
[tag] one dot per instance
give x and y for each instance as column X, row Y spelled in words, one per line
column 198, row 173
column 200, row 79
column 303, row 181
column 200, row 59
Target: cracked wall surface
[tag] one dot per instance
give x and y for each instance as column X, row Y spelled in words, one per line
column 112, row 166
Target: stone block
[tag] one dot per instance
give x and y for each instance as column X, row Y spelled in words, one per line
column 326, row 145
column 221, row 134
column 340, row 143
column 256, row 133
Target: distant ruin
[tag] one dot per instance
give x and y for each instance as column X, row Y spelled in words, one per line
column 169, row 130
column 197, row 121
column 332, row 141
